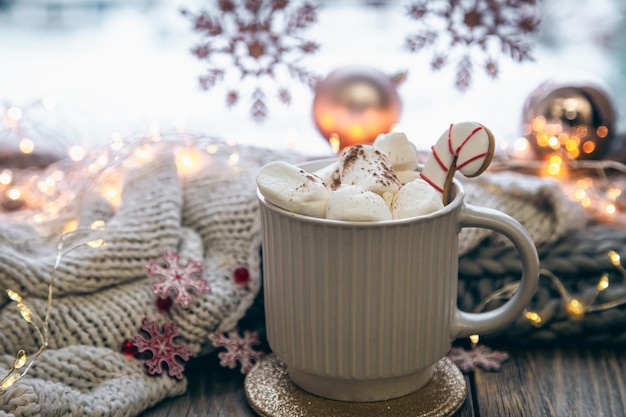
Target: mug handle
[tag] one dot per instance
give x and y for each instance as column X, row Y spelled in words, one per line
column 464, row 323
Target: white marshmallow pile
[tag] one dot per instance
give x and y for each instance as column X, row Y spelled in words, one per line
column 368, row 183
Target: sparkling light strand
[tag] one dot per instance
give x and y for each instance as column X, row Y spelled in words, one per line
column 22, row 363
column 599, row 197
column 575, row 308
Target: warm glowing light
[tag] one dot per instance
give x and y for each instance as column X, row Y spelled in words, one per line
column 10, row 381
column 212, row 148
column 14, row 194
column 27, row 146
column 585, row 202
column 571, row 145
column 233, row 158
column 563, row 138
column 613, row 193
column 14, row 113
column 538, row 123
column 6, row 177
column 76, row 153
column 614, row 257
column 98, row 225
column 589, row 147
column 610, row 209
column 474, row 338
column 575, row 308
column 556, row 160
column 554, row 169
column 533, row 317
column 96, row 243
column 356, row 131
column 582, row 131
column 335, row 143
column 42, row 186
column 574, row 153
column 602, row 131
column 553, row 142
column 579, row 194
column 521, row 145
column 14, row 296
column 20, row 359
column 70, row 226
column 603, row 284
column 143, row 153
column 187, row 161
column 542, row 139
column 111, row 192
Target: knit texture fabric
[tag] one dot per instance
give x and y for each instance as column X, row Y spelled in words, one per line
column 539, row 204
column 102, row 294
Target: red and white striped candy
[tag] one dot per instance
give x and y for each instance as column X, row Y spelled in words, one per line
column 467, row 147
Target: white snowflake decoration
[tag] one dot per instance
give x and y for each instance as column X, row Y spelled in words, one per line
column 477, row 356
column 177, row 277
column 238, row 348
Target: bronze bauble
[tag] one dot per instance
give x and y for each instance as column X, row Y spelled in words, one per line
column 572, row 118
column 353, row 105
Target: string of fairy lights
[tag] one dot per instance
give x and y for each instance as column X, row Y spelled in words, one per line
column 23, row 361
column 46, row 195
column 575, row 306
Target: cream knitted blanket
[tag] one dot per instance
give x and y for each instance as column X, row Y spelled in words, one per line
column 102, row 294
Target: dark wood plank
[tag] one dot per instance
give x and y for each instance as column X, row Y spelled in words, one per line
column 211, row 391
column 218, row 392
column 554, row 382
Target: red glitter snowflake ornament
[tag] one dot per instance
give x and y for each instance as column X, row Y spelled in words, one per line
column 484, row 28
column 477, row 356
column 237, row 349
column 163, row 349
column 255, row 40
column 177, row 277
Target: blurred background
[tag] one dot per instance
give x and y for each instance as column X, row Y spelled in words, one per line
column 118, row 67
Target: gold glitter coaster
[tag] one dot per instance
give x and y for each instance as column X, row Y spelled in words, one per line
column 271, row 393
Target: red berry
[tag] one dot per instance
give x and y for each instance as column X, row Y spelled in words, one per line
column 241, row 275
column 164, row 304
column 128, row 348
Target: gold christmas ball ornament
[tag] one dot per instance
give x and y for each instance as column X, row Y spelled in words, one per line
column 353, row 105
column 574, row 119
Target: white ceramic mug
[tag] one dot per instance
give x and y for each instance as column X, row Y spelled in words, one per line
column 362, row 311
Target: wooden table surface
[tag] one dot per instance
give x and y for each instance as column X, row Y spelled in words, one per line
column 537, row 382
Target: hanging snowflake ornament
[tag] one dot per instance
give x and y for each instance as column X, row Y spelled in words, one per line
column 469, row 33
column 238, row 348
column 246, row 43
column 177, row 278
column 163, row 348
column 478, row 356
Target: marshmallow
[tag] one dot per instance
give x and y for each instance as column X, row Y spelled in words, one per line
column 401, row 152
column 415, row 199
column 406, row 177
column 369, row 168
column 330, row 175
column 291, row 188
column 353, row 203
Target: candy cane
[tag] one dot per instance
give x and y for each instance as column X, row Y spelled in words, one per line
column 467, row 147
